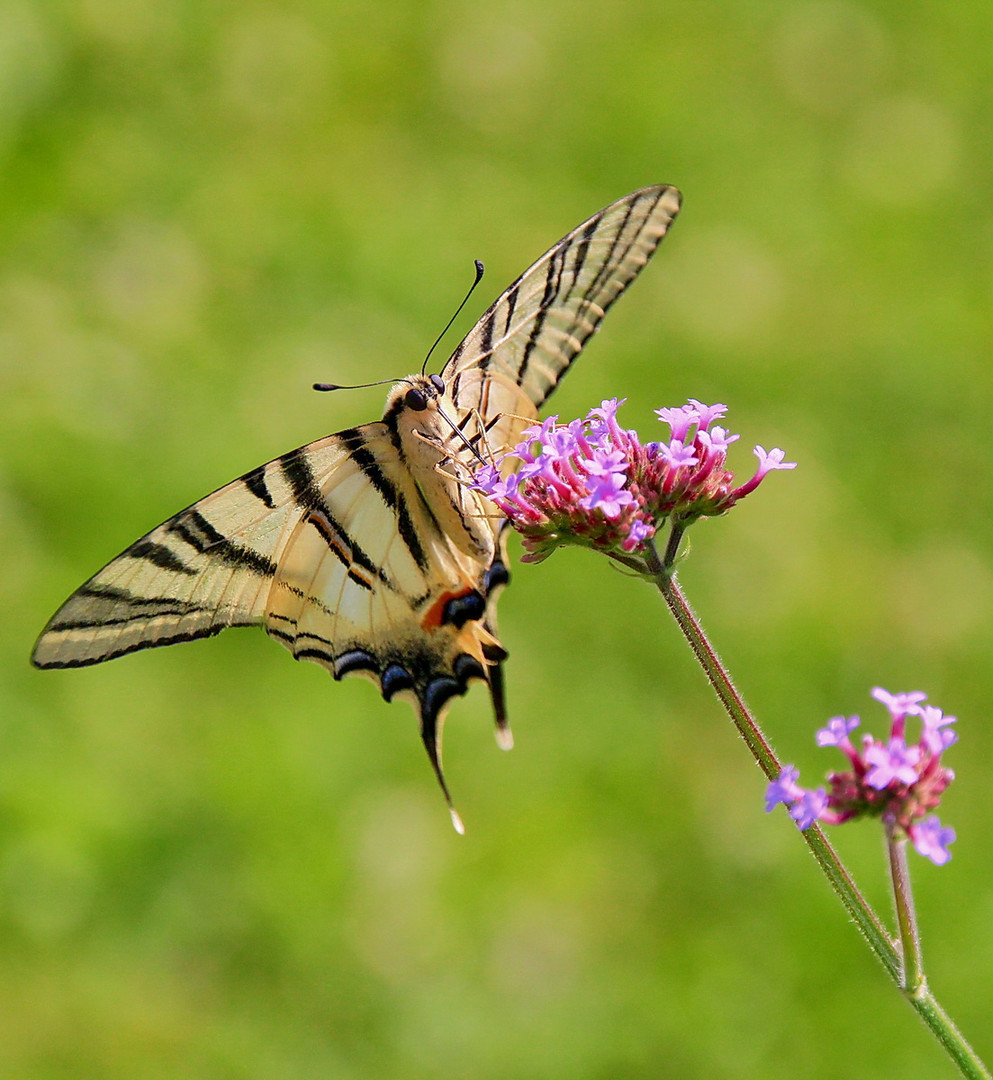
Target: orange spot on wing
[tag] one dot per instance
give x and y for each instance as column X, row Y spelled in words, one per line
column 435, row 613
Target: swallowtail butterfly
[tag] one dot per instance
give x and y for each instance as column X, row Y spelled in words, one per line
column 362, row 551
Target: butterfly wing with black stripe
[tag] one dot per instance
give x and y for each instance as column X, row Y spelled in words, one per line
column 209, row 567
column 370, row 582
column 532, row 333
column 333, row 549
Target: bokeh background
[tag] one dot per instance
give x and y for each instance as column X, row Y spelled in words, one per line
column 217, row 863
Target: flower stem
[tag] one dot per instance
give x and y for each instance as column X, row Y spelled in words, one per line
column 715, row 671
column 904, row 966
column 912, row 961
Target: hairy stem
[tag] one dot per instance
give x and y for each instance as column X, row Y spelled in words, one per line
column 903, row 965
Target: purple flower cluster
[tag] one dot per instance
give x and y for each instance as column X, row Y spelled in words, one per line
column 591, row 482
column 898, row 782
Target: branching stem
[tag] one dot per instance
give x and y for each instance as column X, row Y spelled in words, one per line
column 903, row 963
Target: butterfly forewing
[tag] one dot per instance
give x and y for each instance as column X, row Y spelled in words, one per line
column 209, row 567
column 535, row 329
column 363, row 551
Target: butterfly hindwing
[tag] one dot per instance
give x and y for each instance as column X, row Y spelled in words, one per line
column 281, row 546
column 405, row 606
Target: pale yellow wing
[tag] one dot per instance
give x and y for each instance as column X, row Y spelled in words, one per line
column 369, row 582
column 333, row 549
column 531, row 334
column 209, row 567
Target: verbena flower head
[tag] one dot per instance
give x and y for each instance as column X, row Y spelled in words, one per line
column 894, row 780
column 593, row 483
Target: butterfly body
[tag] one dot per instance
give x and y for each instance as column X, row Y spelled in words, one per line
column 428, row 441
column 364, row 552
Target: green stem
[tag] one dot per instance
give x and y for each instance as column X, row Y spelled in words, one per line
column 912, row 961
column 914, row 987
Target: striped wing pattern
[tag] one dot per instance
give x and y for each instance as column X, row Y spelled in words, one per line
column 532, row 333
column 346, row 550
column 333, row 550
column 207, row 568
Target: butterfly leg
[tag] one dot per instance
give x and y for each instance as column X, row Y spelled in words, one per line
column 483, row 430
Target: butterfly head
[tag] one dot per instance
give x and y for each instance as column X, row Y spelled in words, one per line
column 420, row 402
column 421, row 412
column 425, row 389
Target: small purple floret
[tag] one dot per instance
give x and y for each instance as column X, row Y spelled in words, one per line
column 837, row 730
column 900, row 704
column 783, row 789
column 937, row 736
column 608, row 493
column 808, row 808
column 677, row 455
column 638, row 534
column 931, row 839
column 893, row 763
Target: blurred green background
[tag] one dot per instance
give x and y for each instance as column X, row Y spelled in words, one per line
column 217, row 863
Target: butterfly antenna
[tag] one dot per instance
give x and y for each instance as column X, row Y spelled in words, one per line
column 327, row 386
column 472, row 288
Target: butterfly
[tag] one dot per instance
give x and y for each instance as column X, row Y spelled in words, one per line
column 364, row 551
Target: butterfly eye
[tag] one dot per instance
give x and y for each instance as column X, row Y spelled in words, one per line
column 416, row 400
column 438, row 383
